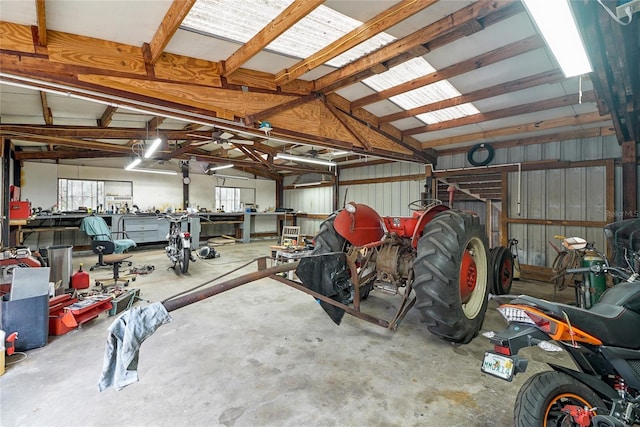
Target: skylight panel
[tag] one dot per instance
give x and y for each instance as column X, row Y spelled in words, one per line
column 241, row 20
column 446, row 114
column 401, row 73
column 426, row 95
column 231, row 19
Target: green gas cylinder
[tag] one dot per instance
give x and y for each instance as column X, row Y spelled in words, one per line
column 595, row 284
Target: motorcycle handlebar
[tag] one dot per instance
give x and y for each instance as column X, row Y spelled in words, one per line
column 599, row 269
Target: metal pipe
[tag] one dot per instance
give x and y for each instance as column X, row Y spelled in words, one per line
column 188, row 299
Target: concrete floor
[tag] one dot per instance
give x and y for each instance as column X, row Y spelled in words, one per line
column 264, row 355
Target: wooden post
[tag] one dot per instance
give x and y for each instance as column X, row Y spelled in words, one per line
column 6, row 158
column 629, row 180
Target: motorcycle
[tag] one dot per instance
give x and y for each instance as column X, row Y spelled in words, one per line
column 603, row 342
column 178, row 248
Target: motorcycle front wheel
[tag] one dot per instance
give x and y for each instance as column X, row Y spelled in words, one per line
column 545, row 399
column 183, row 257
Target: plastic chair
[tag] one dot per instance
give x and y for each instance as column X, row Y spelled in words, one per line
column 102, row 241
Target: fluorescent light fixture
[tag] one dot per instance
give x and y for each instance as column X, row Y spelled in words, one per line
column 154, row 146
column 555, row 21
column 217, row 168
column 133, row 164
column 217, row 175
column 311, row 184
column 305, row 160
column 154, row 171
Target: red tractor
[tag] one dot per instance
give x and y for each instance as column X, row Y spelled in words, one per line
column 440, row 253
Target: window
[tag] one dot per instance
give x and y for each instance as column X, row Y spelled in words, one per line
column 93, row 194
column 76, row 193
column 228, row 199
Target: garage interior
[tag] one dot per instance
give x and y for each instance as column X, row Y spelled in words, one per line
column 276, row 114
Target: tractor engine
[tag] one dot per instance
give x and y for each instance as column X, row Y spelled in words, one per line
column 394, row 262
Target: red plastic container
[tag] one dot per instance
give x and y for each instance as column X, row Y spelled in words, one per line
column 80, row 279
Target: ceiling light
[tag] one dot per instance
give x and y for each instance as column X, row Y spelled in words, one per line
column 305, row 160
column 310, row 184
column 217, row 175
column 154, row 171
column 556, row 24
column 217, row 168
column 133, row 164
column 154, row 146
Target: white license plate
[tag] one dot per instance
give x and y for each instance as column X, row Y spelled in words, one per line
column 498, row 366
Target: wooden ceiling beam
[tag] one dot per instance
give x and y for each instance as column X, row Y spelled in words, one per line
column 41, row 13
column 69, row 142
column 547, row 104
column 107, row 116
column 574, row 120
column 509, row 51
column 98, row 133
column 178, row 10
column 281, row 23
column 379, row 23
column 541, row 139
column 46, row 111
column 420, row 37
column 540, row 79
column 64, row 154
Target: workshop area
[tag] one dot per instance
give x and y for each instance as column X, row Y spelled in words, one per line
column 320, row 213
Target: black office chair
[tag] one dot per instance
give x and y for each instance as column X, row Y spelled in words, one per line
column 105, row 250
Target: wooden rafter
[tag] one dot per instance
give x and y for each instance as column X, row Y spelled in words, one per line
column 281, row 23
column 541, row 139
column 169, row 25
column 107, row 116
column 509, row 51
column 46, row 111
column 547, row 104
column 367, row 30
column 546, row 77
column 420, row 37
column 575, row 120
column 338, row 115
column 41, row 12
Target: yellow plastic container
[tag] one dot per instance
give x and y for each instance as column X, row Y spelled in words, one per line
column 2, row 349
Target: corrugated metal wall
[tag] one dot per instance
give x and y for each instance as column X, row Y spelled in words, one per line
column 576, row 194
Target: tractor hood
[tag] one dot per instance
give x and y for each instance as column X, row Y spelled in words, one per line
column 359, row 224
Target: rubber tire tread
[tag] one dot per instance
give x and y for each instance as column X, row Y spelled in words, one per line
column 185, row 260
column 437, row 272
column 496, row 260
column 327, row 239
column 537, row 392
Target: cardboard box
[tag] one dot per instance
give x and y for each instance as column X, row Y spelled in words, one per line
column 19, row 210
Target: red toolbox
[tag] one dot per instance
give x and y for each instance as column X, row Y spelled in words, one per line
column 90, row 308
column 19, row 210
column 61, row 321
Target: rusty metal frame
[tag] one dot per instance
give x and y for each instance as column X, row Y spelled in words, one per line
column 273, row 273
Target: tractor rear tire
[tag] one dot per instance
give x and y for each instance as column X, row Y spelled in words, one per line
column 452, row 276
column 328, row 240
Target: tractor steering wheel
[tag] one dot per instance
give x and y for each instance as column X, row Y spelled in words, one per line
column 423, row 204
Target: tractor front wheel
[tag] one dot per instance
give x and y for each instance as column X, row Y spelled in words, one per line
column 452, row 275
